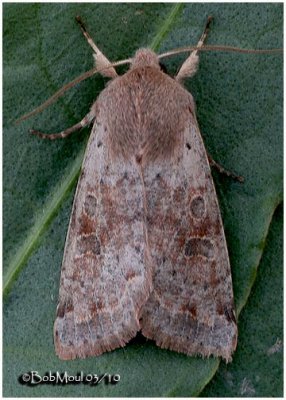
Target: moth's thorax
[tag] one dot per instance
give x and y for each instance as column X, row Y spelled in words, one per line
column 145, row 58
column 144, row 112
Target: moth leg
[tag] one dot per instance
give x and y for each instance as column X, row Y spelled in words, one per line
column 63, row 134
column 100, row 60
column 222, row 170
column 190, row 66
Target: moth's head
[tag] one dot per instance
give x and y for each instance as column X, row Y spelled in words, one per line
column 145, row 58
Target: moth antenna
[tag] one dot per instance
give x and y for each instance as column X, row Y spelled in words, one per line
column 69, row 85
column 190, row 66
column 233, row 49
column 100, row 60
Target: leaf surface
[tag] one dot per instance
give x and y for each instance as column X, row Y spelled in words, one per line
column 239, row 107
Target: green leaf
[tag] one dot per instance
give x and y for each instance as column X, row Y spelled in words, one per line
column 239, row 107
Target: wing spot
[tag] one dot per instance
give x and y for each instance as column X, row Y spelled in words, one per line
column 99, row 144
column 87, row 224
column 198, row 207
column 138, row 158
column 92, row 308
column 130, row 275
column 190, row 309
column 188, row 146
column 90, row 204
column 88, row 244
column 199, row 247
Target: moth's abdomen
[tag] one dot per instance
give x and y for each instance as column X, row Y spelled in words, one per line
column 145, row 114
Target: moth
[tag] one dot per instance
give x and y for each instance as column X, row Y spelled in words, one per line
column 145, row 248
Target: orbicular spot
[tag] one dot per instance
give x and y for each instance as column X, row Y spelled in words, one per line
column 64, row 307
column 197, row 207
column 90, row 204
column 88, row 244
column 199, row 247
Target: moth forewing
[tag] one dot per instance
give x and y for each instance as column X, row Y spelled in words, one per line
column 191, row 308
column 104, row 279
